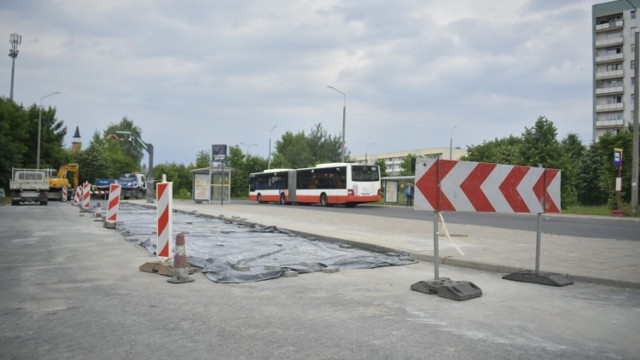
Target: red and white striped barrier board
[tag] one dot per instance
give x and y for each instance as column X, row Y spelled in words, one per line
column 76, row 196
column 113, row 204
column 447, row 185
column 64, row 194
column 86, row 197
column 164, row 201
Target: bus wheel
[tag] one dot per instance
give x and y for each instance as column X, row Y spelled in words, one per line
column 350, row 205
column 259, row 198
column 282, row 199
column 323, row 199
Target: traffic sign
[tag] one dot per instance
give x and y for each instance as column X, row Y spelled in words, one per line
column 447, row 185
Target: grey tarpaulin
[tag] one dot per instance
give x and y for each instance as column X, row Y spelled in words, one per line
column 236, row 252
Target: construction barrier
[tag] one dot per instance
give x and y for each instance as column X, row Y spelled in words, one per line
column 64, row 194
column 76, row 196
column 113, row 203
column 180, row 265
column 164, row 203
column 86, row 197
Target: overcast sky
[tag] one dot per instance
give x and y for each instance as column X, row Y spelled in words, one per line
column 195, row 73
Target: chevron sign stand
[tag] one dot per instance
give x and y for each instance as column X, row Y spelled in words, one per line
column 447, row 185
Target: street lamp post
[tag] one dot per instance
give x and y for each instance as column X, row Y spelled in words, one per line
column 451, row 144
column 366, row 151
column 269, row 154
column 247, row 145
column 40, row 126
column 636, row 117
column 15, row 40
column 344, row 115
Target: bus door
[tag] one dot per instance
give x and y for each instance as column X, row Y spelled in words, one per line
column 292, row 186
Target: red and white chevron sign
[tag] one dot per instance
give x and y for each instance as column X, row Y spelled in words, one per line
column 484, row 187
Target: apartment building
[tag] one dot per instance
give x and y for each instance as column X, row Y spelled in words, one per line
column 614, row 25
column 393, row 160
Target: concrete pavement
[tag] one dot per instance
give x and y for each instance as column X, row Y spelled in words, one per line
column 603, row 261
column 71, row 289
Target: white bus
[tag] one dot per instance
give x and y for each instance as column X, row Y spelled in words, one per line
column 326, row 184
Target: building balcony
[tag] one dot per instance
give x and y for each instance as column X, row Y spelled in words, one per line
column 602, row 59
column 610, row 90
column 618, row 40
column 610, row 26
column 606, row 124
column 609, row 74
column 610, row 107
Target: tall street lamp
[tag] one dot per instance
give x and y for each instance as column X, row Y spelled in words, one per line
column 636, row 117
column 344, row 115
column 269, row 155
column 247, row 145
column 366, row 151
column 40, row 126
column 451, row 144
column 15, row 40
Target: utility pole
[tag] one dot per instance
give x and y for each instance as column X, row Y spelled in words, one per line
column 15, row 40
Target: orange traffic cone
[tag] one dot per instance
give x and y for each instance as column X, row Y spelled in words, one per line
column 180, row 266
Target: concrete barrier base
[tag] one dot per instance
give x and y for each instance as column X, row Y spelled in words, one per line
column 449, row 289
column 543, row 278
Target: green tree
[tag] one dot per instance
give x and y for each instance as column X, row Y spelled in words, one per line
column 324, row 147
column 93, row 164
column 299, row 150
column 179, row 175
column 203, row 159
column 293, row 151
column 572, row 151
column 124, row 152
column 383, row 167
column 499, row 151
column 19, row 138
column 539, row 144
column 406, row 165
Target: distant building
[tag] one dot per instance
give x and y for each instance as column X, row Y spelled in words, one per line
column 613, row 28
column 393, row 160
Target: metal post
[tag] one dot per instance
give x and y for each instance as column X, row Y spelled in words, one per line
column 344, row 117
column 150, row 182
column 436, row 247
column 538, row 241
column 636, row 113
column 40, row 127
column 269, row 154
column 15, row 40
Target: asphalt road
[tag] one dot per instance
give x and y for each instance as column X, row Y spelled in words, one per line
column 72, row 290
column 558, row 224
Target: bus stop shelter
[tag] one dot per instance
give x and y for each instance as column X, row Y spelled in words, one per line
column 393, row 187
column 211, row 184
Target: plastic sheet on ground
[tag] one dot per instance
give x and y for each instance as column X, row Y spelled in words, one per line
column 235, row 251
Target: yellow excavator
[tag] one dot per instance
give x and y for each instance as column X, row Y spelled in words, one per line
column 66, row 172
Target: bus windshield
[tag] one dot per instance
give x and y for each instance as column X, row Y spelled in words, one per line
column 364, row 173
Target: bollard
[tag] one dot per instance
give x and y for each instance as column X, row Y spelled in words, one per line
column 98, row 210
column 180, row 265
column 113, row 205
column 86, row 197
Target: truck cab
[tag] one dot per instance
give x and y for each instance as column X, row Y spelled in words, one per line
column 133, row 185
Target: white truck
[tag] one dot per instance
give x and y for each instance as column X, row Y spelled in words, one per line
column 133, row 185
column 29, row 185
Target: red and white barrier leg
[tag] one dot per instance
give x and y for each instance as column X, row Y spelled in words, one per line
column 164, row 201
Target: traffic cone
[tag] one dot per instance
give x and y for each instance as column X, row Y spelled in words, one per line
column 98, row 210
column 180, row 266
